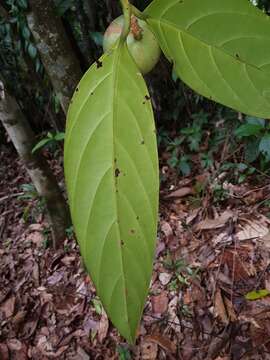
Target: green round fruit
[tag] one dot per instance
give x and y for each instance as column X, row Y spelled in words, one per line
column 141, row 42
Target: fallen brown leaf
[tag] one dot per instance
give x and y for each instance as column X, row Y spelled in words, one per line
column 252, row 229
column 4, row 354
column 149, row 350
column 216, row 223
column 165, row 278
column 14, row 345
column 167, row 230
column 103, row 326
column 163, row 342
column 8, row 306
column 82, row 354
column 219, row 307
column 184, row 191
column 160, row 303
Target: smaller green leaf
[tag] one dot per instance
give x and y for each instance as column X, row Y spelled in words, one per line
column 123, row 353
column 246, row 130
column 97, row 37
column 22, row 4
column 184, row 166
column 59, row 136
column 32, row 51
column 98, row 306
column 26, row 32
column 252, row 151
column 41, row 144
column 255, row 120
column 38, row 65
column 257, row 294
column 264, row 146
column 62, row 6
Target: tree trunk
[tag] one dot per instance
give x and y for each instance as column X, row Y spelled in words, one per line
column 23, row 139
column 59, row 60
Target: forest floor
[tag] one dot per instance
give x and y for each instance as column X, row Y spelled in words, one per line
column 210, row 255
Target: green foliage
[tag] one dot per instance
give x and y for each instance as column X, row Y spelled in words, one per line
column 257, row 294
column 255, row 133
column 62, row 6
column 51, row 140
column 111, row 168
column 212, row 45
column 25, row 44
column 124, row 353
column 183, row 274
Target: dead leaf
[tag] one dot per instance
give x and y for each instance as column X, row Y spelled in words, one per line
column 18, row 349
column 219, row 307
column 216, row 223
column 237, row 267
column 184, row 191
column 35, row 273
column 192, row 216
column 172, row 312
column 160, row 303
column 149, row 350
column 55, row 278
column 36, row 227
column 18, row 319
column 89, row 324
column 57, row 354
column 266, row 240
column 82, row 354
column 103, row 326
column 4, row 355
column 47, row 349
column 230, row 309
column 36, row 237
column 68, row 260
column 165, row 278
column 167, row 230
column 253, row 229
column 163, row 342
column 8, row 306
column 14, row 345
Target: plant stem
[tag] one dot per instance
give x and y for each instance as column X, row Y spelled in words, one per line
column 127, row 15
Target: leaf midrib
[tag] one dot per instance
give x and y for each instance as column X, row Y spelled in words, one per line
column 116, row 70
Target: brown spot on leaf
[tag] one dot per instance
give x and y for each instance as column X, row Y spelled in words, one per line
column 117, row 172
column 147, row 97
column 99, row 64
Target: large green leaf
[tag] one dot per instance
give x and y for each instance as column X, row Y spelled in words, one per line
column 220, row 48
column 111, row 169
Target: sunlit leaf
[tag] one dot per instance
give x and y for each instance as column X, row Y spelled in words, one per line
column 111, row 169
column 221, row 49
